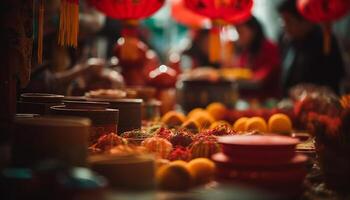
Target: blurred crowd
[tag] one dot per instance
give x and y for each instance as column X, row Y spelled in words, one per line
column 297, row 57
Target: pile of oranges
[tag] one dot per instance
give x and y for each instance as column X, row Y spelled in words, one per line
column 197, row 119
column 277, row 123
column 214, row 114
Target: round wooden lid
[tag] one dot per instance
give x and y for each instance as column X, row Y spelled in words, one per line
column 41, row 97
column 86, row 105
column 54, row 121
column 97, row 116
column 131, row 101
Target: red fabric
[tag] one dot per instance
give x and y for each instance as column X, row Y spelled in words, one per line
column 323, row 10
column 266, row 68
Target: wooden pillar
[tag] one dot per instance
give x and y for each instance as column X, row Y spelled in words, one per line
column 16, row 41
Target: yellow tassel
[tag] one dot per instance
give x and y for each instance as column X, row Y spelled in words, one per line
column 214, row 45
column 69, row 24
column 228, row 51
column 40, row 31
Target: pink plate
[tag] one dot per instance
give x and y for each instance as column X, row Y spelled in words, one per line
column 259, row 141
column 258, row 146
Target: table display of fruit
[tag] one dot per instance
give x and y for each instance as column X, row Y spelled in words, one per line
column 171, row 148
column 178, row 142
column 198, row 118
column 278, row 123
column 182, row 145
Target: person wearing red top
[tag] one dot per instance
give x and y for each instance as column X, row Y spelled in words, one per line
column 256, row 52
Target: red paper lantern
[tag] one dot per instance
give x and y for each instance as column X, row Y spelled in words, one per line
column 319, row 11
column 187, row 17
column 242, row 14
column 324, row 11
column 128, row 9
column 232, row 11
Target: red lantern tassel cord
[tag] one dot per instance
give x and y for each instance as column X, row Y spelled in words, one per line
column 40, row 31
column 215, row 43
column 228, row 49
column 327, row 40
column 69, row 23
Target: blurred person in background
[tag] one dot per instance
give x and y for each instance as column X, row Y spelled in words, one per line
column 64, row 65
column 303, row 58
column 255, row 52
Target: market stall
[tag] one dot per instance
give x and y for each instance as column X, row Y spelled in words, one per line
column 148, row 128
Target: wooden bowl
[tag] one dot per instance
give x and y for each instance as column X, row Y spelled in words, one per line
column 132, row 172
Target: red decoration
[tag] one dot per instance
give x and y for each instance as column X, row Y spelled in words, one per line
column 128, row 9
column 241, row 15
column 138, row 53
column 232, row 11
column 324, row 11
column 162, row 77
column 187, row 17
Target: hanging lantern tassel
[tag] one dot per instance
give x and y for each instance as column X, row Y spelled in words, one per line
column 40, row 31
column 129, row 50
column 214, row 44
column 228, row 49
column 69, row 23
column 327, row 42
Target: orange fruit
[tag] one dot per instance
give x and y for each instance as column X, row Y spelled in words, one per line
column 217, row 110
column 280, row 123
column 179, row 162
column 174, row 176
column 256, row 123
column 204, row 119
column 202, row 170
column 239, row 124
column 173, row 118
column 219, row 123
column 191, row 125
column 161, row 162
column 194, row 112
